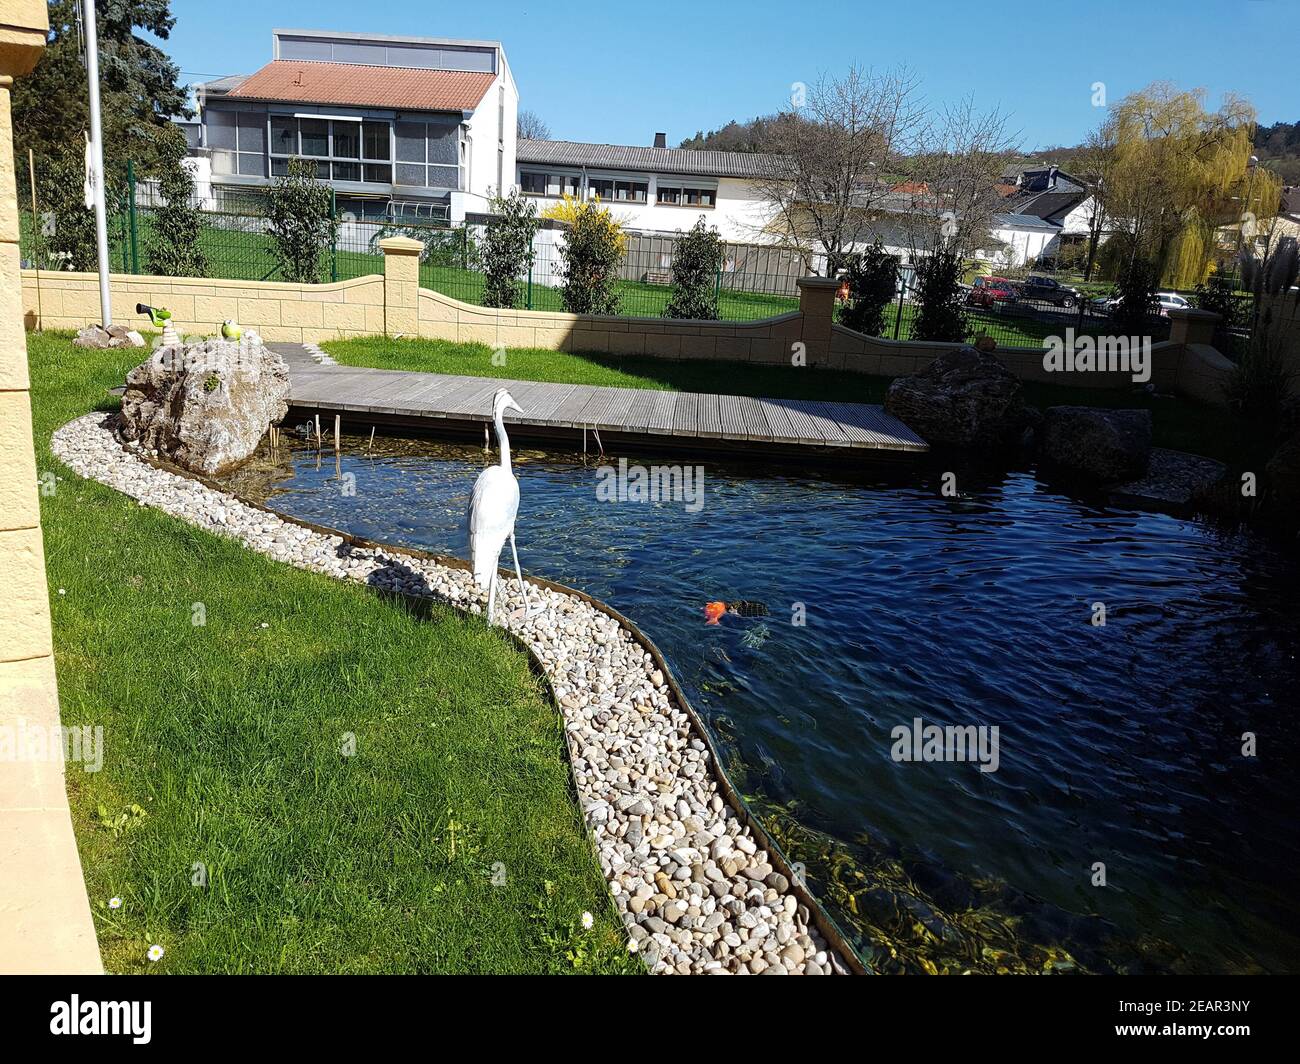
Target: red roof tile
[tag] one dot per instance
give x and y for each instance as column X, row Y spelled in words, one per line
column 402, row 88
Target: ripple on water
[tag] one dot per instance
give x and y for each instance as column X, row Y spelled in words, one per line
column 1118, row 744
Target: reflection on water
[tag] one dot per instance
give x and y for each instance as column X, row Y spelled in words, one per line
column 1120, row 745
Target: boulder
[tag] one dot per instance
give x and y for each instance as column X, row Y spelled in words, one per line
column 205, row 405
column 1095, row 444
column 113, row 336
column 964, row 398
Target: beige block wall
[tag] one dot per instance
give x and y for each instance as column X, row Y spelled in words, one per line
column 45, row 921
column 279, row 311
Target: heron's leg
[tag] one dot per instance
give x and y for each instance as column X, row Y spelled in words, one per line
column 492, row 596
column 523, row 588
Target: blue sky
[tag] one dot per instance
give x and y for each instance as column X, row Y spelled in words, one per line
column 620, row 72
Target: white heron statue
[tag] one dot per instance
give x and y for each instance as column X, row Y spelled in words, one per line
column 492, row 510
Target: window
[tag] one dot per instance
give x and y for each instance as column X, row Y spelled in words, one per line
column 535, row 183
column 238, row 142
column 343, row 150
column 618, row 190
column 428, row 154
column 686, row 196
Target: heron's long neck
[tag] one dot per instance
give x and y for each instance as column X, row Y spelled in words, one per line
column 503, row 441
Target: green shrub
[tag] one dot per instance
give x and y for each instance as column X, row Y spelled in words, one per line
column 940, row 312
column 592, row 250
column 301, row 222
column 1261, row 382
column 172, row 248
column 71, row 246
column 697, row 260
column 1136, row 295
column 872, row 278
column 507, row 252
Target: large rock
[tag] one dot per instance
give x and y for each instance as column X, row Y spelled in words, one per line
column 1103, row 446
column 964, row 398
column 205, row 405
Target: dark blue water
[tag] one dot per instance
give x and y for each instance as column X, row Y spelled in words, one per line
column 1118, row 744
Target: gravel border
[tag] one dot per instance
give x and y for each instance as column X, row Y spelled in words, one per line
column 697, row 892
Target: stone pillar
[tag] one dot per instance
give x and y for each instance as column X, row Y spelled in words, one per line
column 817, row 305
column 401, row 285
column 1192, row 326
column 45, row 922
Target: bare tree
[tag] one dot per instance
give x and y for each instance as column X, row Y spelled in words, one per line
column 827, row 181
column 952, row 195
column 1095, row 165
column 529, row 125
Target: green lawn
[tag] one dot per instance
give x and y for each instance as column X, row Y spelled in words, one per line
column 449, row 842
column 1179, row 424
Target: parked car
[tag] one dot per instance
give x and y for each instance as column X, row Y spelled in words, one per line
column 1172, row 301
column 1048, row 290
column 989, row 291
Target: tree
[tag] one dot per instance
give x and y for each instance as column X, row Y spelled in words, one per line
column 173, row 248
column 529, row 125
column 301, row 223
column 72, row 244
column 592, row 250
column 940, row 315
column 827, row 185
column 506, row 253
column 1179, row 174
column 1135, row 296
column 1094, row 164
column 952, row 190
column 872, row 278
column 139, row 87
column 697, row 258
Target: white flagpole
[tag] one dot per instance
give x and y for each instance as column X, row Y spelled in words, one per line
column 97, row 159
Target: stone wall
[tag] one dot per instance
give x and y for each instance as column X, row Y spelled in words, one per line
column 45, row 921
column 278, row 311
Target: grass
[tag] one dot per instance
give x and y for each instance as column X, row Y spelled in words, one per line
column 1178, row 424
column 449, row 842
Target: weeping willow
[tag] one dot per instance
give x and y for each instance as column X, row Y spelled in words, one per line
column 1182, row 192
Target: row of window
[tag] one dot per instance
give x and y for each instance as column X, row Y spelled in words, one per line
column 536, row 183
column 422, row 154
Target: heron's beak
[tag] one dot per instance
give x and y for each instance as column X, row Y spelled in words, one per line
column 515, row 406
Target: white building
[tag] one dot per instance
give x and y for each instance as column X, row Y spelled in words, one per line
column 406, row 127
column 655, row 189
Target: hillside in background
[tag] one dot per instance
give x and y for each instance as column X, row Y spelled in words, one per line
column 1278, row 148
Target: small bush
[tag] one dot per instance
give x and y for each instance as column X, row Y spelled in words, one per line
column 173, row 248
column 697, row 258
column 1260, row 385
column 872, row 278
column 300, row 222
column 507, row 252
column 590, row 255
column 940, row 314
column 71, row 246
column 1136, row 295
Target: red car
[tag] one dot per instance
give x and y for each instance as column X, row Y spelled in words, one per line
column 988, row 291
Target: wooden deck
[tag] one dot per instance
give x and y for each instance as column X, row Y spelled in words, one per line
column 447, row 404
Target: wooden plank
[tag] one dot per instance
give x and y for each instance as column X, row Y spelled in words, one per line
column 543, row 404
column 751, row 411
column 615, row 417
column 684, row 414
column 707, row 421
column 567, row 413
column 730, row 416
column 812, row 423
column 872, row 425
column 660, row 422
column 474, row 401
column 598, row 404
column 638, row 415
column 779, row 426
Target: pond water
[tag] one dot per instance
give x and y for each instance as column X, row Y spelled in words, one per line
column 1118, row 745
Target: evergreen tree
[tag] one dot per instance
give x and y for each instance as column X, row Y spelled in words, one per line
column 697, row 258
column 173, row 248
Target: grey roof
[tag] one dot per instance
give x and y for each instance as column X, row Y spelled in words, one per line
column 651, row 160
column 1025, row 221
column 221, row 86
